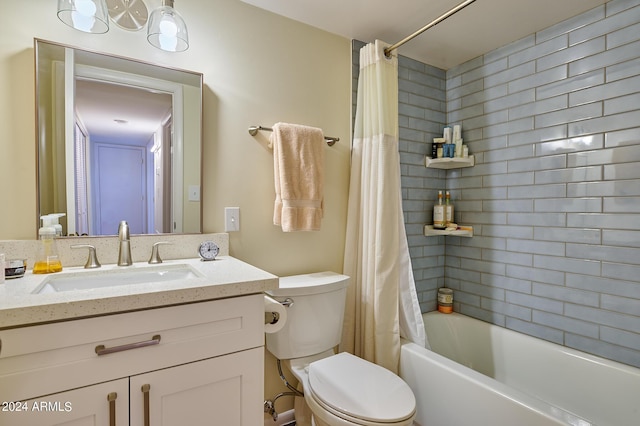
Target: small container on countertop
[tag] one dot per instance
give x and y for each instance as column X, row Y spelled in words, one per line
column 15, row 268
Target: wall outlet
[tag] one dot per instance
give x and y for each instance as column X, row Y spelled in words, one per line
column 231, row 219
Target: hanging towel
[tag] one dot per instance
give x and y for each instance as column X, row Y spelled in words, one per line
column 298, row 165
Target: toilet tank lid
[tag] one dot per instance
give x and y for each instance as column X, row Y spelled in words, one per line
column 314, row 283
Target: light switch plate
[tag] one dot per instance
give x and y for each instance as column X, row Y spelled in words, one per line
column 194, row 192
column 231, row 219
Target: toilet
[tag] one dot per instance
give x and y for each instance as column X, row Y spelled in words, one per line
column 339, row 389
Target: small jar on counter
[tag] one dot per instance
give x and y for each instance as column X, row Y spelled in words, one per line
column 15, row 268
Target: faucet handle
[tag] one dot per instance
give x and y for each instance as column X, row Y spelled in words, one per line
column 92, row 260
column 155, row 252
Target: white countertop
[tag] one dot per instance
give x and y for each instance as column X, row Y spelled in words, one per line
column 221, row 278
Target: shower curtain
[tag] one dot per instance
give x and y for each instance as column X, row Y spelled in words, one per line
column 382, row 304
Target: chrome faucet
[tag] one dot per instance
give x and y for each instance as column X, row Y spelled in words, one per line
column 92, row 260
column 124, row 251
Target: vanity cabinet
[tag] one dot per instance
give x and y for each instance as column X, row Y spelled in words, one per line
column 217, row 391
column 192, row 364
column 94, row 405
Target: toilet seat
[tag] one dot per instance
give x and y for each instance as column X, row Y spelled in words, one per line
column 359, row 391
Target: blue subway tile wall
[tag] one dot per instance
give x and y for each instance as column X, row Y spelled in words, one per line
column 554, row 123
column 422, row 116
column 553, row 120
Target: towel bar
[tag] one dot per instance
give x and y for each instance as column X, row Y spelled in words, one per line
column 253, row 130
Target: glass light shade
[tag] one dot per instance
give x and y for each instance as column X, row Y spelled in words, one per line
column 90, row 16
column 166, row 29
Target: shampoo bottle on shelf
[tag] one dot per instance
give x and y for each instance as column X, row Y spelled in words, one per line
column 448, row 210
column 439, row 213
column 47, row 260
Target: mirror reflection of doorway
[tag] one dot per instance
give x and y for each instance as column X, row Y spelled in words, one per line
column 119, row 188
column 80, row 148
column 129, row 147
column 64, row 175
column 160, row 209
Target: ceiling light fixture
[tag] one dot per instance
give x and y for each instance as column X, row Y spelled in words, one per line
column 167, row 30
column 89, row 16
column 128, row 14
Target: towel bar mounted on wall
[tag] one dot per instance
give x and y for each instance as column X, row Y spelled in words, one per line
column 253, row 130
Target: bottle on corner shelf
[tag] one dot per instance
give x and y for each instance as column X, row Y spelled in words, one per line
column 439, row 213
column 448, row 210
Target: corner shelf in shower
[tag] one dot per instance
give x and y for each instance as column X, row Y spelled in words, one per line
column 449, row 163
column 430, row 232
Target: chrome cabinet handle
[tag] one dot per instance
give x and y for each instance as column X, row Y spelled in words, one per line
column 112, row 408
column 145, row 390
column 102, row 350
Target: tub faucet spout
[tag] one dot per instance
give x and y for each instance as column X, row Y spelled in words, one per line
column 124, row 251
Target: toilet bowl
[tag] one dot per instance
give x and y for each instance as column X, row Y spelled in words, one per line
column 343, row 390
column 339, row 389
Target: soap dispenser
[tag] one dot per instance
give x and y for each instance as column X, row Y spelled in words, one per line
column 47, row 260
column 55, row 222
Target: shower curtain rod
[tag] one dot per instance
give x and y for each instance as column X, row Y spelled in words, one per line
column 458, row 8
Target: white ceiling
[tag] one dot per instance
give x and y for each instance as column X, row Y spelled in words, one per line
column 123, row 113
column 477, row 29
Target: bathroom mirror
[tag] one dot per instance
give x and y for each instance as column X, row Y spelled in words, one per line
column 117, row 139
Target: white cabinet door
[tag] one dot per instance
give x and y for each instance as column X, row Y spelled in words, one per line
column 227, row 390
column 104, row 404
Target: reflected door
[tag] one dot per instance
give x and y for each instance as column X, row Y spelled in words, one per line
column 120, row 188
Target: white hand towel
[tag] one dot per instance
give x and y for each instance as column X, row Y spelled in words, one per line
column 298, row 163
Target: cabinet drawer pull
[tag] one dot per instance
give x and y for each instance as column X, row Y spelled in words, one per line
column 102, row 350
column 145, row 390
column 112, row 408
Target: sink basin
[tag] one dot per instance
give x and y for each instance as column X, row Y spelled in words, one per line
column 116, row 277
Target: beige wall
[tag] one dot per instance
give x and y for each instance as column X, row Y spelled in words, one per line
column 258, row 69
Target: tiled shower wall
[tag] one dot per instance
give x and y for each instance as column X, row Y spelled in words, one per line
column 554, row 122
column 421, row 110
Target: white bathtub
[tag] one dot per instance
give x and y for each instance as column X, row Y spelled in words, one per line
column 482, row 374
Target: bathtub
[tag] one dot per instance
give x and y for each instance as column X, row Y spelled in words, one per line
column 481, row 374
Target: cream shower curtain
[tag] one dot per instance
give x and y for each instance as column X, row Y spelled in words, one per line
column 382, row 304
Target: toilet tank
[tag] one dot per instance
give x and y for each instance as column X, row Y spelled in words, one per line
column 314, row 319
